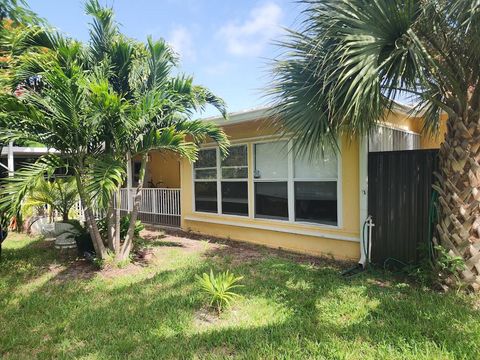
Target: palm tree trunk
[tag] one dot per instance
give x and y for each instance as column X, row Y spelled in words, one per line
column 90, row 219
column 128, row 243
column 111, row 225
column 116, row 233
column 459, row 195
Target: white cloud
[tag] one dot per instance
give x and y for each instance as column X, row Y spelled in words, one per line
column 253, row 34
column 181, row 41
column 218, row 69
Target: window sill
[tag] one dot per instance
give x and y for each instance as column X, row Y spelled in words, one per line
column 284, row 226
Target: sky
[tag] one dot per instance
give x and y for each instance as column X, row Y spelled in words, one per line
column 226, row 45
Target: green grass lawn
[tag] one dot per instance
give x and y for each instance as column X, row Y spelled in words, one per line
column 52, row 306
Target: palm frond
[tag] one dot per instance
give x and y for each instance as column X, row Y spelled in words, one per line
column 13, row 190
column 167, row 139
column 200, row 131
column 104, row 176
column 103, row 29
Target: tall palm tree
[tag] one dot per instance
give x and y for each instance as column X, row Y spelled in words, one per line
column 341, row 73
column 99, row 105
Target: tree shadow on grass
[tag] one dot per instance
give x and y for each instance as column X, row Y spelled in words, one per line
column 313, row 313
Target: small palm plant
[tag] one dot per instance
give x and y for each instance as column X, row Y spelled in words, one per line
column 220, row 288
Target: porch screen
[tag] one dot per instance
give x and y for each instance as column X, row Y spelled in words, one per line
column 385, row 138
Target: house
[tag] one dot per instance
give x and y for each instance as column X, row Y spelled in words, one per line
column 262, row 193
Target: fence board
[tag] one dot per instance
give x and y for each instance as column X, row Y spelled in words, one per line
column 399, row 196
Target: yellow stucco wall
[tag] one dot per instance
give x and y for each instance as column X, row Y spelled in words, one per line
column 341, row 242
column 415, row 124
column 164, row 169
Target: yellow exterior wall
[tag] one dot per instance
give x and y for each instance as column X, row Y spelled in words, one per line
column 303, row 238
column 164, row 169
column 342, row 242
column 415, row 124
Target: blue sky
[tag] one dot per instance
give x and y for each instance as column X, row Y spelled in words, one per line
column 224, row 44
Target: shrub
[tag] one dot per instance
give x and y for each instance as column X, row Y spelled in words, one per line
column 219, row 288
column 124, row 224
column 83, row 239
column 440, row 270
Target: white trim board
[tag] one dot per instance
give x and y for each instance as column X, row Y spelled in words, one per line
column 274, row 228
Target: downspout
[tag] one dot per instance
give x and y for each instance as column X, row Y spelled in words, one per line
column 363, row 190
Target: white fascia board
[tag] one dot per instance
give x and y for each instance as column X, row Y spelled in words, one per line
column 23, row 150
column 265, row 112
column 241, row 116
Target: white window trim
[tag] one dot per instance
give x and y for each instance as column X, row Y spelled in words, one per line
column 291, row 187
column 219, row 181
column 250, row 143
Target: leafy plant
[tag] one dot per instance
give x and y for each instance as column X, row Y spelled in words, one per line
column 60, row 195
column 220, row 288
column 3, row 230
column 441, row 270
column 124, row 224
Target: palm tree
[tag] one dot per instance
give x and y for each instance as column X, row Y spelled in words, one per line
column 341, row 73
column 99, row 106
column 60, row 195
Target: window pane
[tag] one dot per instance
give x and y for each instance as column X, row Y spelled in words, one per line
column 206, row 174
column 307, row 167
column 237, row 172
column 206, row 158
column 206, row 196
column 316, row 202
column 271, row 200
column 271, row 160
column 235, row 198
column 237, row 156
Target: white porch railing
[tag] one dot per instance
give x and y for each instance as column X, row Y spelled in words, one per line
column 158, row 205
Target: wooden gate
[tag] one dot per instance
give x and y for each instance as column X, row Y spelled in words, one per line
column 399, row 199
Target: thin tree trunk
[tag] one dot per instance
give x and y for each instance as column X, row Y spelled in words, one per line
column 116, row 234
column 128, row 243
column 459, row 195
column 90, row 219
column 111, row 225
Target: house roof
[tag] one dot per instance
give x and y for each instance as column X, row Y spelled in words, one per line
column 24, row 150
column 263, row 112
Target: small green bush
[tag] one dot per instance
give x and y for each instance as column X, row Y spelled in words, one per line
column 124, row 224
column 219, row 288
column 441, row 271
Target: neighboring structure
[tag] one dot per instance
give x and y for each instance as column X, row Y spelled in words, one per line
column 262, row 193
column 12, row 157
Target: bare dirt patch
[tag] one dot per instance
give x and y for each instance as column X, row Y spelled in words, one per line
column 241, row 252
column 153, row 246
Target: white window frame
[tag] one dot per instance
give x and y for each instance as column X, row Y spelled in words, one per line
column 291, row 187
column 250, row 143
column 219, row 179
